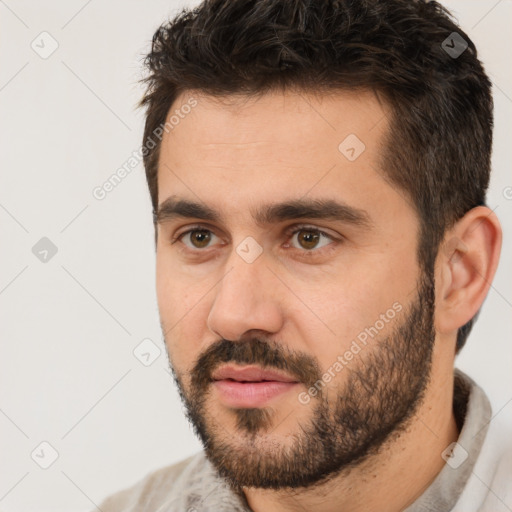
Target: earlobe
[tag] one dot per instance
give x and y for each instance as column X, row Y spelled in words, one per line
column 466, row 264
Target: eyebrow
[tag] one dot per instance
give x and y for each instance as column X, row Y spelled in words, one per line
column 325, row 209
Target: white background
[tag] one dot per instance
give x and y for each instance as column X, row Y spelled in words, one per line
column 68, row 375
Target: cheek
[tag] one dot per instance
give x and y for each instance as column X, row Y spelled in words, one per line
column 173, row 291
column 360, row 307
column 183, row 309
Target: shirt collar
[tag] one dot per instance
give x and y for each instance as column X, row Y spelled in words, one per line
column 473, row 414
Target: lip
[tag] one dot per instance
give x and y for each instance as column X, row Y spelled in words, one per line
column 250, row 394
column 250, row 374
column 250, row 386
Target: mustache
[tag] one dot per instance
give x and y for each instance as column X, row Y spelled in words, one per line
column 255, row 351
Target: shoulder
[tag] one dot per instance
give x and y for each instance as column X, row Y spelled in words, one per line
column 489, row 488
column 494, row 473
column 156, row 487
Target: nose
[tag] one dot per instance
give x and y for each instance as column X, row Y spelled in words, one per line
column 246, row 299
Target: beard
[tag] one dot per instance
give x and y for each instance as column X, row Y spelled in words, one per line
column 383, row 388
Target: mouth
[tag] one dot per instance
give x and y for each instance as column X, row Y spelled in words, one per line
column 250, row 374
column 250, row 386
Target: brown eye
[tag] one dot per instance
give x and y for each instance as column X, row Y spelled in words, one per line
column 308, row 239
column 199, row 238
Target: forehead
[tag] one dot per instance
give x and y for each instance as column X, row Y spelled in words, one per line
column 277, row 120
column 232, row 151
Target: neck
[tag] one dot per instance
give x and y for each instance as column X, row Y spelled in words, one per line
column 392, row 479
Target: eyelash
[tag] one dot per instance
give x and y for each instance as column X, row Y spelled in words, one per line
column 289, row 233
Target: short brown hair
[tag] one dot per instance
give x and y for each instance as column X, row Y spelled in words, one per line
column 438, row 146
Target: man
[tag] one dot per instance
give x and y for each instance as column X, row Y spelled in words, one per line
column 318, row 174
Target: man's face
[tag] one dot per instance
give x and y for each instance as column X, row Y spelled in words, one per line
column 335, row 304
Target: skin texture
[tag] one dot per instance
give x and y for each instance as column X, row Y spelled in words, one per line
column 298, row 308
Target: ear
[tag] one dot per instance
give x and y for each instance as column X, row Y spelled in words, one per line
column 465, row 267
